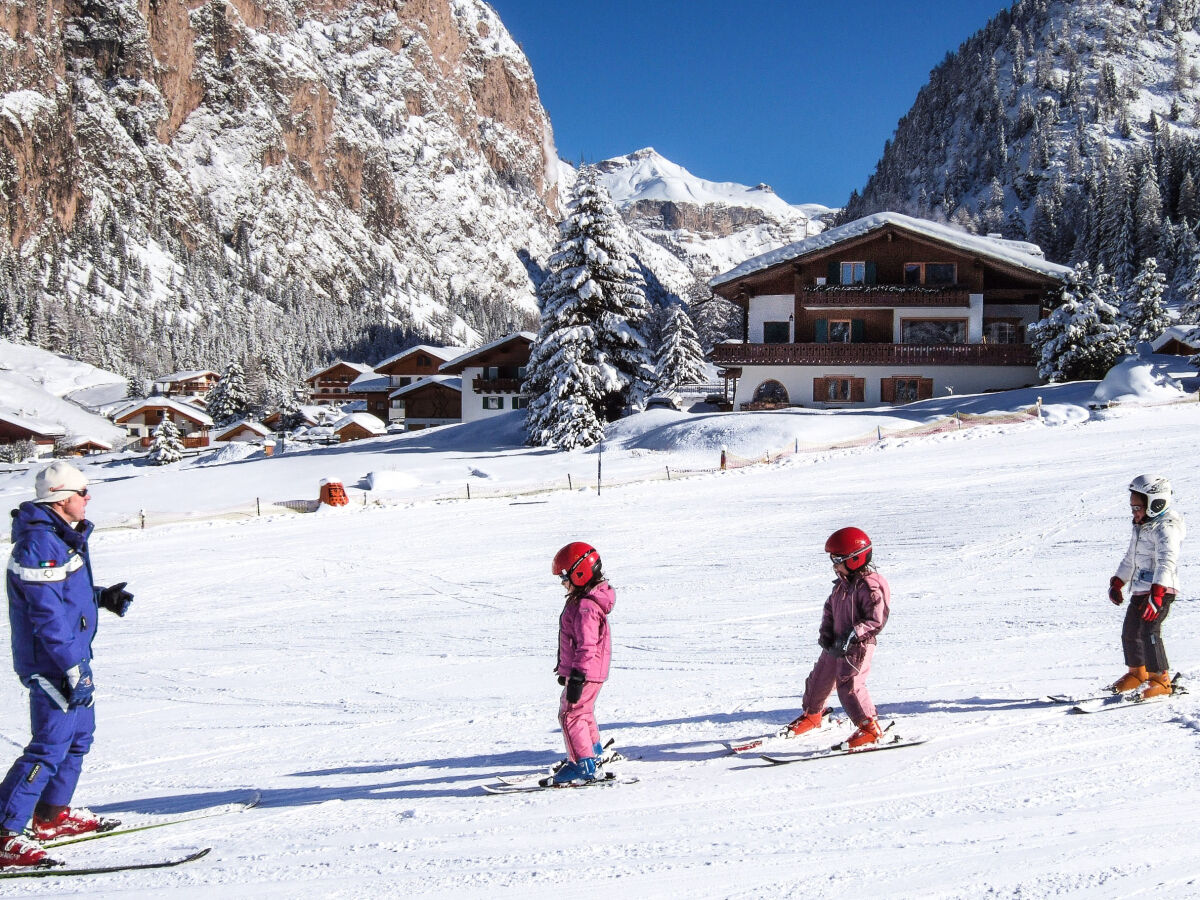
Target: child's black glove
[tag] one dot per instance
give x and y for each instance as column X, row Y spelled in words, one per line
column 575, row 686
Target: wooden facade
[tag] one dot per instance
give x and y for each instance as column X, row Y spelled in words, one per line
column 332, row 384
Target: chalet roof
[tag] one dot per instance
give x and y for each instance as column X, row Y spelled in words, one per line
column 369, row 382
column 37, row 426
column 77, row 441
column 183, row 376
column 453, row 382
column 456, row 365
column 1185, row 334
column 256, row 427
column 442, row 353
column 365, row 421
column 361, row 368
column 1017, row 253
column 186, row 410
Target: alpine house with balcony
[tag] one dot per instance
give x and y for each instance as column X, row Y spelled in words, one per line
column 884, row 309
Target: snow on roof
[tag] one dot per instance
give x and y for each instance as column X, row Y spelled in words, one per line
column 363, row 420
column 1182, row 333
column 1018, row 253
column 37, row 426
column 466, row 357
column 183, row 376
column 450, row 381
column 442, row 353
column 257, row 427
column 360, row 367
column 369, row 381
column 81, row 440
column 185, row 409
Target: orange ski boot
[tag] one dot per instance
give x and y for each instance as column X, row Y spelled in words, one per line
column 1131, row 680
column 1159, row 686
column 868, row 733
column 806, row 723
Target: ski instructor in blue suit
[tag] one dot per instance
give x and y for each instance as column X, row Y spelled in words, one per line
column 52, row 608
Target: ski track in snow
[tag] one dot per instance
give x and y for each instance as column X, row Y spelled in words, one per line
column 368, row 671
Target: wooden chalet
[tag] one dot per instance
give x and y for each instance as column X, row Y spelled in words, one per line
column 16, row 428
column 83, row 446
column 410, row 366
column 186, row 384
column 432, row 401
column 242, row 431
column 142, row 417
column 356, row 426
column 887, row 309
column 495, row 374
column 1178, row 340
column 331, row 384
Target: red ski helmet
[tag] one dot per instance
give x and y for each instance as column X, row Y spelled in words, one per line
column 577, row 561
column 850, row 546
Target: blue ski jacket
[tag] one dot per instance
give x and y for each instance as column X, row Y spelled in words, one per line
column 52, row 601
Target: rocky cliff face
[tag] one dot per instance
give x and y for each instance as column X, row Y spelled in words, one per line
column 310, row 160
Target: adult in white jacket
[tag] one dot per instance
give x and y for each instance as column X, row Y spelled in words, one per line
column 1149, row 568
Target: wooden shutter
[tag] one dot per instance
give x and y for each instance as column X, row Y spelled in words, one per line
column 924, row 388
column 834, row 271
column 858, row 330
column 887, row 390
column 820, row 390
column 869, row 273
column 858, row 390
column 821, row 331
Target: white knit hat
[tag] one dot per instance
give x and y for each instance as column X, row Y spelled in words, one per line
column 57, row 482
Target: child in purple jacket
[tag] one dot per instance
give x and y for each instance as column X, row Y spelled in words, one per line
column 584, row 652
column 856, row 611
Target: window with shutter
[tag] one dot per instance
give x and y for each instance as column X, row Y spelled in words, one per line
column 887, row 389
column 821, row 331
column 858, row 390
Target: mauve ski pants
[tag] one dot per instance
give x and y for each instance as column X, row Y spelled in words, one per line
column 849, row 675
column 578, row 720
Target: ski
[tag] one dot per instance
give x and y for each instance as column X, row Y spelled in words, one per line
column 59, row 871
column 1079, row 698
column 783, row 734
column 240, row 806
column 1124, row 701
column 887, row 742
column 609, row 780
column 608, row 756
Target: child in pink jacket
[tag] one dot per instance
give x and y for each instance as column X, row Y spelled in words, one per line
column 855, row 613
column 584, row 652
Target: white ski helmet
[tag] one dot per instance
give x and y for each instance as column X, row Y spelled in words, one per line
column 1156, row 490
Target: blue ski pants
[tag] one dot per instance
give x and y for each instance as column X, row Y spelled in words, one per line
column 49, row 769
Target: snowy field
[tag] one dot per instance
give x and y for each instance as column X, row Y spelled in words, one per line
column 366, row 669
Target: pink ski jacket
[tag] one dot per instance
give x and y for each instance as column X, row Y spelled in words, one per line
column 860, row 604
column 584, row 641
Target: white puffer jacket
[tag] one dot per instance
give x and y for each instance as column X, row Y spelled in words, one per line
column 1153, row 553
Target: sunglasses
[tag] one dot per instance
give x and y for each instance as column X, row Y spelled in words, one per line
column 82, row 492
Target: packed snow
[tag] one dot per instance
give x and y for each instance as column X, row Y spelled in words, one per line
column 367, row 668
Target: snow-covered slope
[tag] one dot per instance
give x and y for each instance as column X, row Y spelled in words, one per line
column 367, row 694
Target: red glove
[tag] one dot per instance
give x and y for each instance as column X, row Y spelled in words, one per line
column 1154, row 602
column 1114, row 590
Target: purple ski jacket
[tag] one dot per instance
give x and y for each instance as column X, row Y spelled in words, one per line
column 859, row 604
column 584, row 642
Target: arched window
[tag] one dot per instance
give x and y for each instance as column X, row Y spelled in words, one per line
column 770, row 392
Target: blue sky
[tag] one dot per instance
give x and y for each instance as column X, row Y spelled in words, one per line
column 796, row 94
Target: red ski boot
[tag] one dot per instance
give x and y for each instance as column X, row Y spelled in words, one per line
column 868, row 733
column 69, row 821
column 806, row 723
column 17, row 848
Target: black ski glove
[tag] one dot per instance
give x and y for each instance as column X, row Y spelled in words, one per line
column 116, row 599
column 562, row 681
column 825, row 642
column 575, row 686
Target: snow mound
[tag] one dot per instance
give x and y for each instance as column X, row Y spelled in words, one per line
column 235, row 451
column 1138, row 380
column 390, row 480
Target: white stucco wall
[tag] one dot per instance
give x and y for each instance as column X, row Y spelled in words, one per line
column 770, row 308
column 798, row 380
column 472, row 403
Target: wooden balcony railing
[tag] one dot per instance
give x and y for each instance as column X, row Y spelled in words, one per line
column 496, row 385
column 873, row 355
column 888, row 296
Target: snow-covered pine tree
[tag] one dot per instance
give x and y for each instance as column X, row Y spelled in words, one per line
column 167, row 446
column 1082, row 337
column 229, row 399
column 679, row 359
column 716, row 318
column 1143, row 311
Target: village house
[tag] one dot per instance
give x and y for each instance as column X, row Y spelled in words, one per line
column 356, row 426
column 412, row 365
column 242, row 431
column 16, row 428
column 140, row 418
column 887, row 309
column 1178, row 340
column 186, row 384
column 82, row 446
column 495, row 374
column 331, row 383
column 432, row 401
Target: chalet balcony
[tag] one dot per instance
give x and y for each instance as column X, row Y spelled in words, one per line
column 483, row 385
column 885, row 296
column 845, row 354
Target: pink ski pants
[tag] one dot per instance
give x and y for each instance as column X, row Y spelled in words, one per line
column 849, row 675
column 578, row 721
